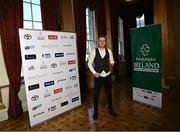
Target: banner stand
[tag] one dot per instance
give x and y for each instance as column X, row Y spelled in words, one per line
column 51, row 73
column 146, row 47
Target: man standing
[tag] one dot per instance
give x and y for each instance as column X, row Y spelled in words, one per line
column 100, row 61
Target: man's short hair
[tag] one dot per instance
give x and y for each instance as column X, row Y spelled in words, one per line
column 102, row 35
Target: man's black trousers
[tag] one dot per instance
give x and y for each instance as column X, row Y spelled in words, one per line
column 98, row 83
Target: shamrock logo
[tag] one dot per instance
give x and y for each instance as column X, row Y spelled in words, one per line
column 145, row 49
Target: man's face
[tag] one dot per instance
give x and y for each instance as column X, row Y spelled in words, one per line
column 102, row 42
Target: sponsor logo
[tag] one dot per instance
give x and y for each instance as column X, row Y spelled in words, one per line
column 73, row 78
column 58, row 90
column 36, row 77
column 31, row 68
column 139, row 95
column 46, row 55
column 72, row 69
column 29, row 47
column 75, row 85
column 153, row 96
column 59, row 72
column 53, row 108
column 67, row 45
column 52, row 37
column 50, row 46
column 34, row 97
column 38, row 114
column 53, row 65
column 30, row 57
column 64, row 103
column 151, row 99
column 40, row 37
column 32, row 87
column 47, row 94
column 27, row 36
column 68, row 87
column 49, row 83
column 149, row 92
column 61, row 80
column 70, row 53
column 64, row 37
column 71, row 94
column 43, row 66
column 37, row 106
column 146, row 97
column 71, row 62
column 56, row 99
column 62, row 63
column 145, row 49
column 142, row 90
column 71, row 37
column 59, row 54
column 75, row 99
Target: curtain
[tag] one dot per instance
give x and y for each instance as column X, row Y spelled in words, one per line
column 50, row 10
column 9, row 25
column 80, row 29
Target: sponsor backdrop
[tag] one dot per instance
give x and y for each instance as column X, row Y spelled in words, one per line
column 146, row 44
column 50, row 73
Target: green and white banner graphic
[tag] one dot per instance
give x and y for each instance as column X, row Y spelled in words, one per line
column 146, row 46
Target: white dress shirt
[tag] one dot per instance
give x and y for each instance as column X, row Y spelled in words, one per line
column 102, row 52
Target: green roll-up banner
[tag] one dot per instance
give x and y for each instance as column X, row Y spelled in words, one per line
column 146, row 47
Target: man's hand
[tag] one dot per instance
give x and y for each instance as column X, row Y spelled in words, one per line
column 97, row 74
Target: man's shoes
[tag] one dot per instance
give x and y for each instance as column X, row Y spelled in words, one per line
column 113, row 113
column 95, row 116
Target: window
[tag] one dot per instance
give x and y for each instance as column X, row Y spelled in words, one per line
column 140, row 21
column 121, row 55
column 91, row 38
column 32, row 14
column 31, row 18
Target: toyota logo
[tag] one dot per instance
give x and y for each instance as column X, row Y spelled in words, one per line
column 27, row 36
column 35, row 97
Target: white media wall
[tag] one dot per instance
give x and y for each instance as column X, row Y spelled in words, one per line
column 50, row 72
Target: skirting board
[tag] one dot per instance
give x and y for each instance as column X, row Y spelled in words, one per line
column 3, row 115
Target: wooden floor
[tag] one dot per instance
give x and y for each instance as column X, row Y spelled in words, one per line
column 132, row 115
